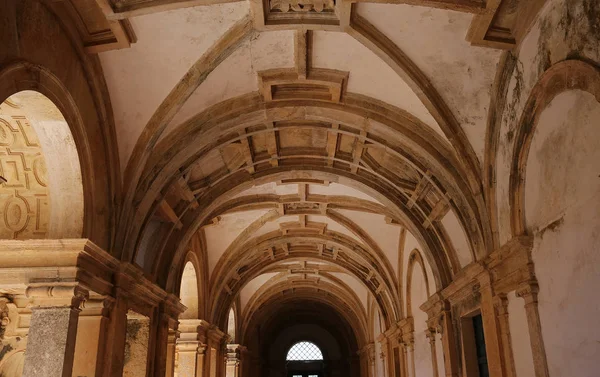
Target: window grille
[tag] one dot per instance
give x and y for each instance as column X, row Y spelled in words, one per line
column 304, row 351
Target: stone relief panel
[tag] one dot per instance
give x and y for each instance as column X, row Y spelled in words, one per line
column 302, row 5
column 24, row 197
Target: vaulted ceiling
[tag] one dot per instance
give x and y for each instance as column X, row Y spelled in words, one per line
column 302, row 143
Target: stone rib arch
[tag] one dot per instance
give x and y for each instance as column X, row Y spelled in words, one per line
column 72, row 187
column 563, row 76
column 260, row 264
column 275, row 286
column 273, row 215
column 157, row 173
column 276, row 300
column 413, row 259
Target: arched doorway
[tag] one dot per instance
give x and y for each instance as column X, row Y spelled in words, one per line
column 304, row 359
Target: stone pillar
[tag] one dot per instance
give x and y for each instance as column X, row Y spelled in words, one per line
column 114, row 352
column 430, row 334
column 190, row 349
column 410, row 352
column 53, row 329
column 91, row 330
column 501, row 305
column 137, row 343
column 215, row 352
column 490, row 328
column 404, row 360
column 529, row 292
column 233, row 360
column 171, row 350
column 371, row 360
column 449, row 344
column 384, row 355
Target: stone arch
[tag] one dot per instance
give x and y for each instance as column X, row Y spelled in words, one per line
column 340, row 297
column 97, row 166
column 414, row 258
column 561, row 77
column 189, row 288
column 43, row 192
column 238, row 268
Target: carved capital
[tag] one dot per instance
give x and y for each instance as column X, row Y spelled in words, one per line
column 528, row 292
column 57, row 294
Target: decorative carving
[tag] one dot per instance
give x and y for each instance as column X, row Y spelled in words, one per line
column 302, row 5
column 24, row 199
column 302, row 206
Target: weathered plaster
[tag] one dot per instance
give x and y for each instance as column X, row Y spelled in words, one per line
column 562, row 212
column 458, row 238
column 369, row 75
column 252, row 286
column 237, row 75
column 220, row 236
column 564, row 29
column 140, row 77
column 463, row 74
column 386, row 236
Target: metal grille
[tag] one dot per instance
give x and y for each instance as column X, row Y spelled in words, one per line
column 304, row 351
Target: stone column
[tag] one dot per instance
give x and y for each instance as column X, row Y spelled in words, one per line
column 529, row 292
column 404, row 360
column 449, row 344
column 114, row 352
column 490, row 328
column 189, row 347
column 233, row 360
column 53, row 329
column 371, row 358
column 171, row 350
column 137, row 344
column 501, row 305
column 430, row 334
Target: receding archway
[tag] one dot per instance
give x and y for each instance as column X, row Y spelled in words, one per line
column 188, row 292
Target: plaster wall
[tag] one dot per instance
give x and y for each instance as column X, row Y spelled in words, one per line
column 458, row 237
column 140, row 77
column 356, row 285
column 386, row 236
column 237, row 75
column 563, row 212
column 253, row 285
column 463, row 74
column 369, row 75
column 564, row 29
column 219, row 237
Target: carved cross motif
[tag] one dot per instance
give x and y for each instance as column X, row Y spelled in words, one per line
column 302, row 5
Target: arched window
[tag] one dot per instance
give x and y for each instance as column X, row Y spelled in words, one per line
column 304, row 351
column 231, row 325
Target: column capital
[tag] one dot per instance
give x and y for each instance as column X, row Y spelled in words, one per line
column 528, row 291
column 233, row 354
column 57, row 295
